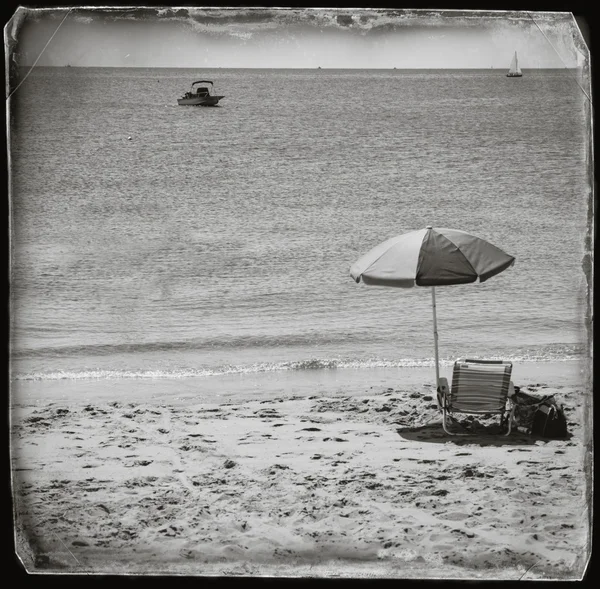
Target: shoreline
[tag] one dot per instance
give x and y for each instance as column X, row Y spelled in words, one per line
column 262, row 385
column 362, row 485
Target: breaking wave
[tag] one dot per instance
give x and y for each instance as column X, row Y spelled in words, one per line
column 312, row 364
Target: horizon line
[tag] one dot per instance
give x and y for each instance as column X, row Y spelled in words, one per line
column 170, row 67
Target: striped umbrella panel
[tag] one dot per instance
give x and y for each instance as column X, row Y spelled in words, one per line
column 430, row 257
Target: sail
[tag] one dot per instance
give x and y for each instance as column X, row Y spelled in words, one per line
column 514, row 65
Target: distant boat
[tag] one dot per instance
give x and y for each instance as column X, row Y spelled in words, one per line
column 514, row 71
column 200, row 96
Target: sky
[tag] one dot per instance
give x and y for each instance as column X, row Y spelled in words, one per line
column 293, row 38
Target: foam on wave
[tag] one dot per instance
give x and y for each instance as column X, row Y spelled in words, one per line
column 311, row 364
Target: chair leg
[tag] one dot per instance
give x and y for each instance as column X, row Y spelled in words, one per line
column 511, row 417
column 446, row 427
column 444, row 422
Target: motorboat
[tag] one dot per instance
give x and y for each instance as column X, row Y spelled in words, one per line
column 200, row 95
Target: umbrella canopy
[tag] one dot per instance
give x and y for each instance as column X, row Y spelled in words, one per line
column 431, row 257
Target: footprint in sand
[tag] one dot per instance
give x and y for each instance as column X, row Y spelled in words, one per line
column 462, row 532
column 455, row 516
column 187, row 448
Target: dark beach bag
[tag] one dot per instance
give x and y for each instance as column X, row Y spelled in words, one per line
column 549, row 420
column 539, row 416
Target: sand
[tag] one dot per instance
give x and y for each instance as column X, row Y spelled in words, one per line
column 320, row 486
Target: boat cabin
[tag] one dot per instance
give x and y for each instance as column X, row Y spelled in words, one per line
column 202, row 92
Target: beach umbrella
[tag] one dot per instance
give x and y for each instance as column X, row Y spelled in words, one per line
column 431, row 257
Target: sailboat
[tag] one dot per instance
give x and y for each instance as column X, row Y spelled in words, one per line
column 514, row 71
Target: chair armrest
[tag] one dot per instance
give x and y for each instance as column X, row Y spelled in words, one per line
column 511, row 401
column 511, row 390
column 443, row 391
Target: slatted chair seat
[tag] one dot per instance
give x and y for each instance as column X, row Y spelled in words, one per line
column 478, row 387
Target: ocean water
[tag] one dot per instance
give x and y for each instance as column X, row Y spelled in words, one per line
column 155, row 241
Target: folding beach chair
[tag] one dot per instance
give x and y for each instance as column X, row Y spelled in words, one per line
column 478, row 387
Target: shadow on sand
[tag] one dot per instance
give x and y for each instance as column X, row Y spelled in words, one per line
column 490, row 435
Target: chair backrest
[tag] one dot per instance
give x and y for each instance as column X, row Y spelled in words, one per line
column 480, row 386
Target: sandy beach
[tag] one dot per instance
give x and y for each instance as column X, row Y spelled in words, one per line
column 327, row 486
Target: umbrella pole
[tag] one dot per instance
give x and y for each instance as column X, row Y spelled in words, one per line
column 435, row 339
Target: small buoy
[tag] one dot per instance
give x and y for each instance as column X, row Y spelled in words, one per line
column 129, row 138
